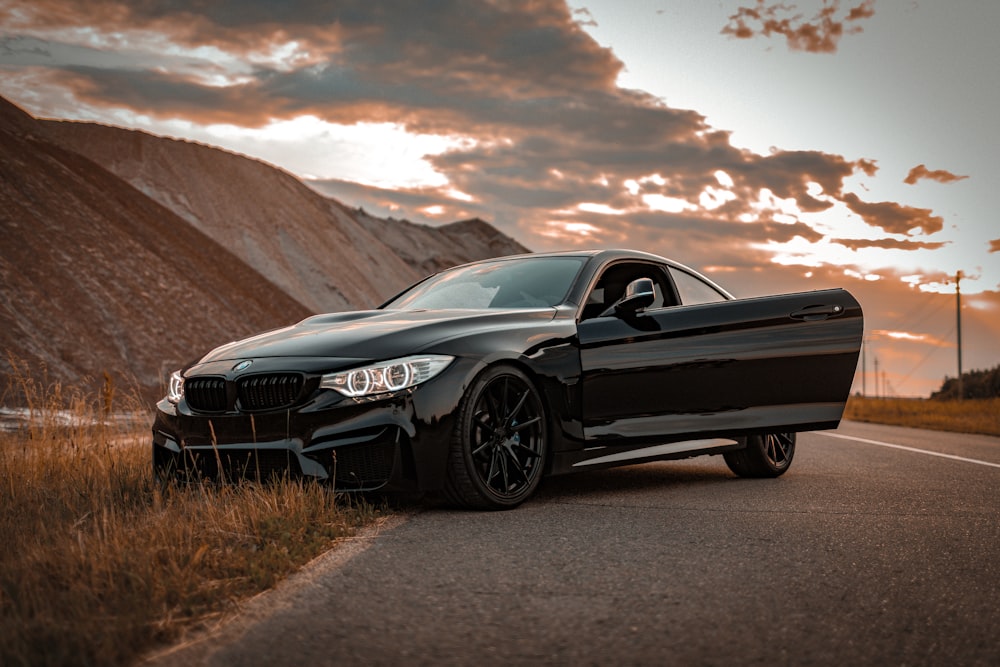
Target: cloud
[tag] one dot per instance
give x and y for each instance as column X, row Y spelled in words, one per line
column 939, row 175
column 535, row 41
column 168, row 95
column 893, row 217
column 457, row 68
column 820, row 34
column 889, row 244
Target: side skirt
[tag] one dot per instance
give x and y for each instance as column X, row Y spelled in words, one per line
column 594, row 458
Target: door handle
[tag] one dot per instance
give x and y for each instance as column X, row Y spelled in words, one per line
column 817, row 312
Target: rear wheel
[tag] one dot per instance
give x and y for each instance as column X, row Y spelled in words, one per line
column 499, row 445
column 767, row 455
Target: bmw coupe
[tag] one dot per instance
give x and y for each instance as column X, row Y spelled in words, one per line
column 480, row 380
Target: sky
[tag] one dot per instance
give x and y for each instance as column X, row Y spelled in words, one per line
column 777, row 147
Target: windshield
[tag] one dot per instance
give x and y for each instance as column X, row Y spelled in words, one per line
column 532, row 282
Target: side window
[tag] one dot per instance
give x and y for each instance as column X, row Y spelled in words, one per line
column 694, row 290
column 611, row 286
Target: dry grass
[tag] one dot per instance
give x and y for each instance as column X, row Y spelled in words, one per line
column 99, row 563
column 968, row 416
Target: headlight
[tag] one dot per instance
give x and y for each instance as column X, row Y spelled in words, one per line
column 175, row 392
column 386, row 376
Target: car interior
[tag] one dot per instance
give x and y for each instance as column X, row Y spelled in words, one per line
column 610, row 287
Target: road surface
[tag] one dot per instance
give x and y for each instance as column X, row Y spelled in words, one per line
column 880, row 546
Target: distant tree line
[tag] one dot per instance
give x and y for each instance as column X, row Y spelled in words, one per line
column 975, row 384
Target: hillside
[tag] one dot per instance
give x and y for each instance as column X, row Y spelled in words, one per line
column 128, row 253
column 96, row 277
column 322, row 253
column 430, row 249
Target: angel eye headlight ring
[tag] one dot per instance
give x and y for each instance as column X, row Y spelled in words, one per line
column 175, row 387
column 386, row 376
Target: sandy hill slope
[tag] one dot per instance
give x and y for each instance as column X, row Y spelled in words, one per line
column 322, row 253
column 430, row 249
column 297, row 239
column 97, row 277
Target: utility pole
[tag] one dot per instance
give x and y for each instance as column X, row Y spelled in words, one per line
column 958, row 326
column 864, row 368
column 876, row 377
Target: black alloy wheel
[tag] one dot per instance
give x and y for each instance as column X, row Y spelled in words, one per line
column 498, row 450
column 767, row 455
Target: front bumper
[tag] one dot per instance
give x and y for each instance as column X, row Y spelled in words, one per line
column 397, row 442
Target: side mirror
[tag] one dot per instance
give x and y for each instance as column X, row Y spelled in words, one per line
column 639, row 294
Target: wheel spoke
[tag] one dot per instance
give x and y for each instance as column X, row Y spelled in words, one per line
column 479, row 450
column 485, row 431
column 503, row 406
column 492, row 408
column 508, row 419
column 504, row 469
column 519, row 468
column 527, row 451
column 481, row 421
column 777, row 447
column 523, row 425
column 493, row 468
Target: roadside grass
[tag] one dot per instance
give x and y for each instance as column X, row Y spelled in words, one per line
column 100, row 564
column 968, row 416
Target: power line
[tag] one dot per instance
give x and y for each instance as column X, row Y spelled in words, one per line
column 920, row 363
column 940, row 304
column 920, row 312
column 926, row 309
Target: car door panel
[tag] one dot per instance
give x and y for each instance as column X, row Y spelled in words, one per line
column 741, row 365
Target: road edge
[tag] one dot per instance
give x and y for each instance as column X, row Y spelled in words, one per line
column 198, row 645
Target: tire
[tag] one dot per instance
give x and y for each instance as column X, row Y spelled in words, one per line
column 768, row 455
column 497, row 451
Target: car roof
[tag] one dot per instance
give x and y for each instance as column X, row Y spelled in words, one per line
column 606, row 256
column 601, row 255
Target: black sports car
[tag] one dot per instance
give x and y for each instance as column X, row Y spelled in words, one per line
column 480, row 380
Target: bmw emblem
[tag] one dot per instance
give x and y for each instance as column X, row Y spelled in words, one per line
column 243, row 365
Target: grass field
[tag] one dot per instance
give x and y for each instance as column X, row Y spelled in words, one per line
column 99, row 564
column 968, row 416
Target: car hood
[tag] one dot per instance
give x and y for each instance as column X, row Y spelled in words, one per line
column 374, row 334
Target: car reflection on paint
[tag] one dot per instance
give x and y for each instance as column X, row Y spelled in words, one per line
column 480, row 380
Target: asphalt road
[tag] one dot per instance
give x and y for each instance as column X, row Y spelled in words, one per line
column 862, row 554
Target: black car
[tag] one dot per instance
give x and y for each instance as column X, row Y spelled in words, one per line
column 480, row 380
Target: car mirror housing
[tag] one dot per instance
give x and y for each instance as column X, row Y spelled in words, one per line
column 639, row 294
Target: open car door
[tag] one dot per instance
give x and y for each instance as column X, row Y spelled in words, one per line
column 730, row 368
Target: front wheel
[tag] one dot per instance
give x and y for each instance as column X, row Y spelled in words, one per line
column 498, row 449
column 767, row 455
